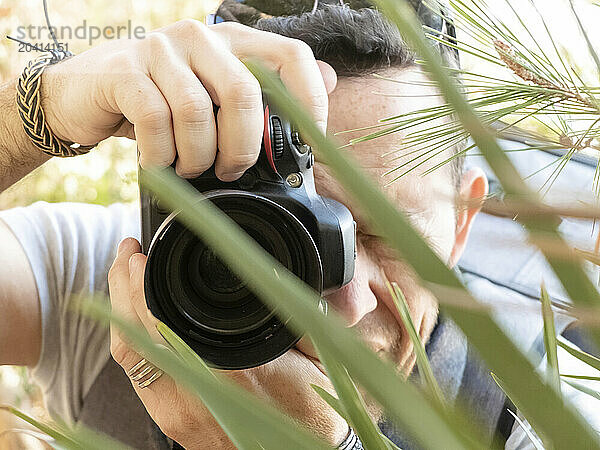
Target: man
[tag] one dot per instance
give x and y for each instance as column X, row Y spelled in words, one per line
column 160, row 91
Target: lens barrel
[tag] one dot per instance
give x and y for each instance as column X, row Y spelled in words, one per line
column 190, row 289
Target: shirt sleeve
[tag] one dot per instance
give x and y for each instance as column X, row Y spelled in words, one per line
column 70, row 248
column 588, row 406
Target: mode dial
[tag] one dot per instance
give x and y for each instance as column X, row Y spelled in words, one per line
column 277, row 142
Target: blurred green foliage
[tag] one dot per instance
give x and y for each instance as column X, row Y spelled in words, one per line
column 106, row 175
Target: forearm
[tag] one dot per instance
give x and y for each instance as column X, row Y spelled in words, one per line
column 18, row 155
column 20, row 314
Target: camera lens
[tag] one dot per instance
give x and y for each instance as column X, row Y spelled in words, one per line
column 190, row 289
column 215, row 274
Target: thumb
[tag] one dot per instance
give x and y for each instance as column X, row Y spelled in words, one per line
column 137, row 266
column 329, row 75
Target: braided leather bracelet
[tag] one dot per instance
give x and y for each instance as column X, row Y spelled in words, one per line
column 32, row 114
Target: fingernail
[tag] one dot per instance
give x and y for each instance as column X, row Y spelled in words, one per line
column 133, row 262
column 231, row 176
column 121, row 246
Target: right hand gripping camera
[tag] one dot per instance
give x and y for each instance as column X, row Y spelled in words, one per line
column 275, row 202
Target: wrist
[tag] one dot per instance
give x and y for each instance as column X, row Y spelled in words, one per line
column 50, row 89
column 199, row 438
column 194, row 444
column 18, row 155
column 32, row 113
column 340, row 434
column 342, row 438
column 350, row 442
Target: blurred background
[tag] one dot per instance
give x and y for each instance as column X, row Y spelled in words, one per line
column 108, row 173
column 104, row 176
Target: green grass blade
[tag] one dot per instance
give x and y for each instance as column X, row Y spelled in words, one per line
column 497, row 350
column 51, row 430
column 93, row 440
column 590, row 360
column 425, row 371
column 391, row 445
column 247, row 420
column 76, row 438
column 180, row 347
column 584, row 389
column 352, row 402
column 38, row 435
column 591, row 48
column 532, row 437
column 189, row 356
column 504, row 388
column 550, row 339
column 580, row 377
column 272, row 282
column 339, row 408
column 332, row 401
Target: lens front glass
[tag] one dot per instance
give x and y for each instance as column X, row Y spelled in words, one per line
column 206, row 302
column 209, row 294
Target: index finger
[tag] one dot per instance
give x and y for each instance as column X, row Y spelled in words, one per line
column 292, row 58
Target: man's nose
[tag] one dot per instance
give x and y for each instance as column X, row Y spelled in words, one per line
column 356, row 299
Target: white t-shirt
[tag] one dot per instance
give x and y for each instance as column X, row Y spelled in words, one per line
column 71, row 247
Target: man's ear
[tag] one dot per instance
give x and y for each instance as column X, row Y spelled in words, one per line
column 473, row 190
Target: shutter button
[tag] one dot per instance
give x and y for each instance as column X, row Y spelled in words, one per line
column 302, row 147
column 311, row 161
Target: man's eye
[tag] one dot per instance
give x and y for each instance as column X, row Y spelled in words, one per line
column 360, row 231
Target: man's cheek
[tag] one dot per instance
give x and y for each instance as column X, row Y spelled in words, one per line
column 430, row 315
column 420, row 301
column 423, row 310
column 407, row 287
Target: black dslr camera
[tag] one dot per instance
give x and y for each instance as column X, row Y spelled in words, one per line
column 275, row 202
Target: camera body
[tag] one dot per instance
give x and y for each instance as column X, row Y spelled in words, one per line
column 275, row 202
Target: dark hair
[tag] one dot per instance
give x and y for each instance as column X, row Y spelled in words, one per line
column 355, row 42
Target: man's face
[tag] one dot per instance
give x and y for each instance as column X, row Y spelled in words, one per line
column 429, row 202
